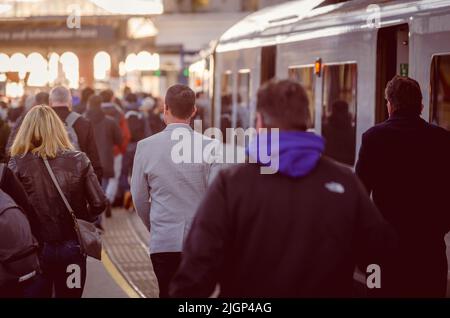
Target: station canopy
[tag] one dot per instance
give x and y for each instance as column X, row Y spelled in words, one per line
column 13, row 9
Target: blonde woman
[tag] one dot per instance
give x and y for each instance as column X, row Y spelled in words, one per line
column 43, row 135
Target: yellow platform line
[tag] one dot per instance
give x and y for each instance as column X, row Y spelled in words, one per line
column 118, row 277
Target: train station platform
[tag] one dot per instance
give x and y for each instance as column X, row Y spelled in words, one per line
column 126, row 270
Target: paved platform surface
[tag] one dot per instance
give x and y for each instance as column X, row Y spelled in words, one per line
column 125, row 270
column 125, row 242
column 100, row 283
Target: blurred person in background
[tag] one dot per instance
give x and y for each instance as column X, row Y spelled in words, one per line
column 113, row 110
column 5, row 131
column 16, row 109
column 156, row 117
column 107, row 134
column 139, row 129
column 80, row 130
column 340, row 134
column 81, row 107
column 40, row 98
column 75, row 96
column 42, row 135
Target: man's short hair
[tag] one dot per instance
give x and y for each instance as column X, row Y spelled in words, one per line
column 107, row 95
column 404, row 95
column 284, row 104
column 131, row 98
column 180, row 99
column 86, row 93
column 61, row 96
column 95, row 102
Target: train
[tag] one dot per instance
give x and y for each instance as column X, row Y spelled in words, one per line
column 343, row 52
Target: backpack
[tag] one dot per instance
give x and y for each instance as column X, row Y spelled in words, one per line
column 69, row 122
column 136, row 123
column 18, row 248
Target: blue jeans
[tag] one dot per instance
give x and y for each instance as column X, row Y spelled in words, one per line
column 63, row 267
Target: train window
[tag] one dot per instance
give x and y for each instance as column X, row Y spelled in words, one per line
column 226, row 101
column 339, row 111
column 440, row 91
column 243, row 98
column 305, row 76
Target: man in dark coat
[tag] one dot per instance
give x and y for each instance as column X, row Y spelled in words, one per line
column 61, row 102
column 297, row 232
column 107, row 134
column 404, row 163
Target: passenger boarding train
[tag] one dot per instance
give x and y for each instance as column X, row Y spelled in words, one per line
column 343, row 54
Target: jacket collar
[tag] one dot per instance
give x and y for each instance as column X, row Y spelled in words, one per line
column 62, row 112
column 172, row 127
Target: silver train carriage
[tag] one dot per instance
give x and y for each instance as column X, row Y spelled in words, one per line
column 342, row 52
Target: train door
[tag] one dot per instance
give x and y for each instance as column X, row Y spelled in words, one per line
column 392, row 59
column 268, row 62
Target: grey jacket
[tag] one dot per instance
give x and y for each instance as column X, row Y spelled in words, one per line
column 166, row 192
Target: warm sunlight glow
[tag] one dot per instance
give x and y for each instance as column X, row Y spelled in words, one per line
column 70, row 68
column 102, row 65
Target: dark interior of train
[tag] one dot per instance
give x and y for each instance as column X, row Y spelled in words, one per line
column 389, row 63
column 268, row 62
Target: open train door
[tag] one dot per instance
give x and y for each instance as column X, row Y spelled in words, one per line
column 392, row 59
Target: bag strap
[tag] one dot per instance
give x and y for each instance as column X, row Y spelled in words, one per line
column 2, row 173
column 72, row 118
column 61, row 194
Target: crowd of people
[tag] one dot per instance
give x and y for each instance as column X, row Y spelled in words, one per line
column 299, row 232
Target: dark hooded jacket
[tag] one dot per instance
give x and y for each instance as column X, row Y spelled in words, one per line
column 298, row 232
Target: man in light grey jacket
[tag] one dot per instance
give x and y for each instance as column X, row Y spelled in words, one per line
column 170, row 177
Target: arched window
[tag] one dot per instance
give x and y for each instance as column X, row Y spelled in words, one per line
column 102, row 65
column 38, row 68
column 4, row 63
column 70, row 67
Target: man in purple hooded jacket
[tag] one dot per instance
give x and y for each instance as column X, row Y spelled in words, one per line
column 297, row 232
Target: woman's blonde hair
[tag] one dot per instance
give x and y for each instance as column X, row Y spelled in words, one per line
column 41, row 133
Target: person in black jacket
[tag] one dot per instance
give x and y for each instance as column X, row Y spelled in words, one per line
column 107, row 134
column 61, row 102
column 295, row 230
column 404, row 163
column 42, row 135
column 340, row 134
column 81, row 108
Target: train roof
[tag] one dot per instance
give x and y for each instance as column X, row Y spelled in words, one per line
column 306, row 19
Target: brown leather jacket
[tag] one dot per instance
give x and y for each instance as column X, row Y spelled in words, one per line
column 78, row 182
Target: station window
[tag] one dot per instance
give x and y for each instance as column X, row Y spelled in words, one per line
column 226, row 101
column 339, row 111
column 305, row 76
column 243, row 98
column 440, row 91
